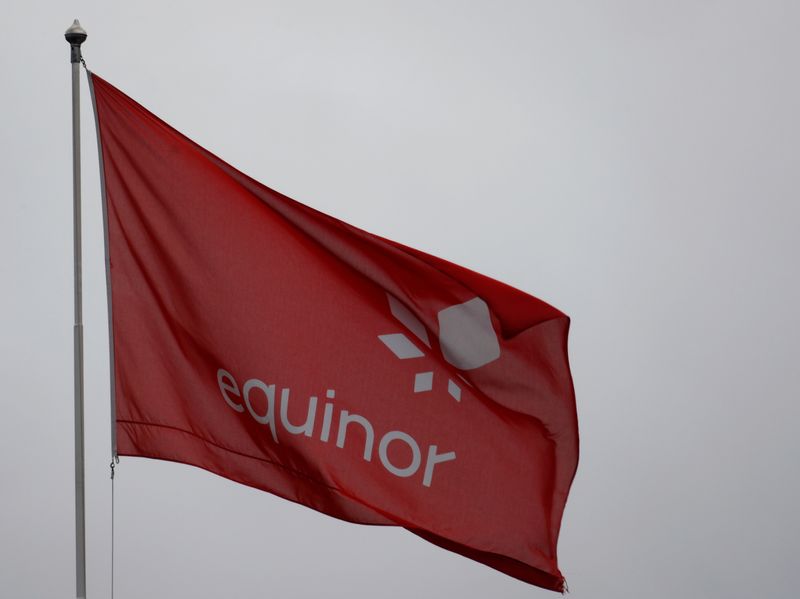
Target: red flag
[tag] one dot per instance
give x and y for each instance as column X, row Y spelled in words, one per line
column 284, row 349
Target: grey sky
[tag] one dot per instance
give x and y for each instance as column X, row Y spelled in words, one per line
column 633, row 163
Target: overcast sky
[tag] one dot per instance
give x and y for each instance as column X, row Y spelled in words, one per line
column 633, row 163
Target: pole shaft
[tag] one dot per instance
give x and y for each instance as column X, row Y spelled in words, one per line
column 80, row 512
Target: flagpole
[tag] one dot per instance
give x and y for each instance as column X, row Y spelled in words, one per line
column 75, row 35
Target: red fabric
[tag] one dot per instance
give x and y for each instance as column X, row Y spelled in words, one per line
column 226, row 292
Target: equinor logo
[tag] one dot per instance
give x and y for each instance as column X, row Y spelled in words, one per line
column 243, row 399
column 466, row 338
column 467, row 341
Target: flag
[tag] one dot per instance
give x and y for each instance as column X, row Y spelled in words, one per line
column 284, row 349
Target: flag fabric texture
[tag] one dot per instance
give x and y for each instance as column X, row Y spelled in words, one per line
column 284, row 349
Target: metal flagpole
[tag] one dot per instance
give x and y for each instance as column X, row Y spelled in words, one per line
column 75, row 35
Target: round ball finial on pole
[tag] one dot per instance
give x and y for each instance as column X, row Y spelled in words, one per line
column 75, row 35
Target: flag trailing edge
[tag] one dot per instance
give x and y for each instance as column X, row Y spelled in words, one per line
column 281, row 348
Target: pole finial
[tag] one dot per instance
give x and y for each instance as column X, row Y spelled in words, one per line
column 75, row 35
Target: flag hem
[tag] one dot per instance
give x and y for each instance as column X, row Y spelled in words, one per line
column 507, row 565
column 109, row 309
